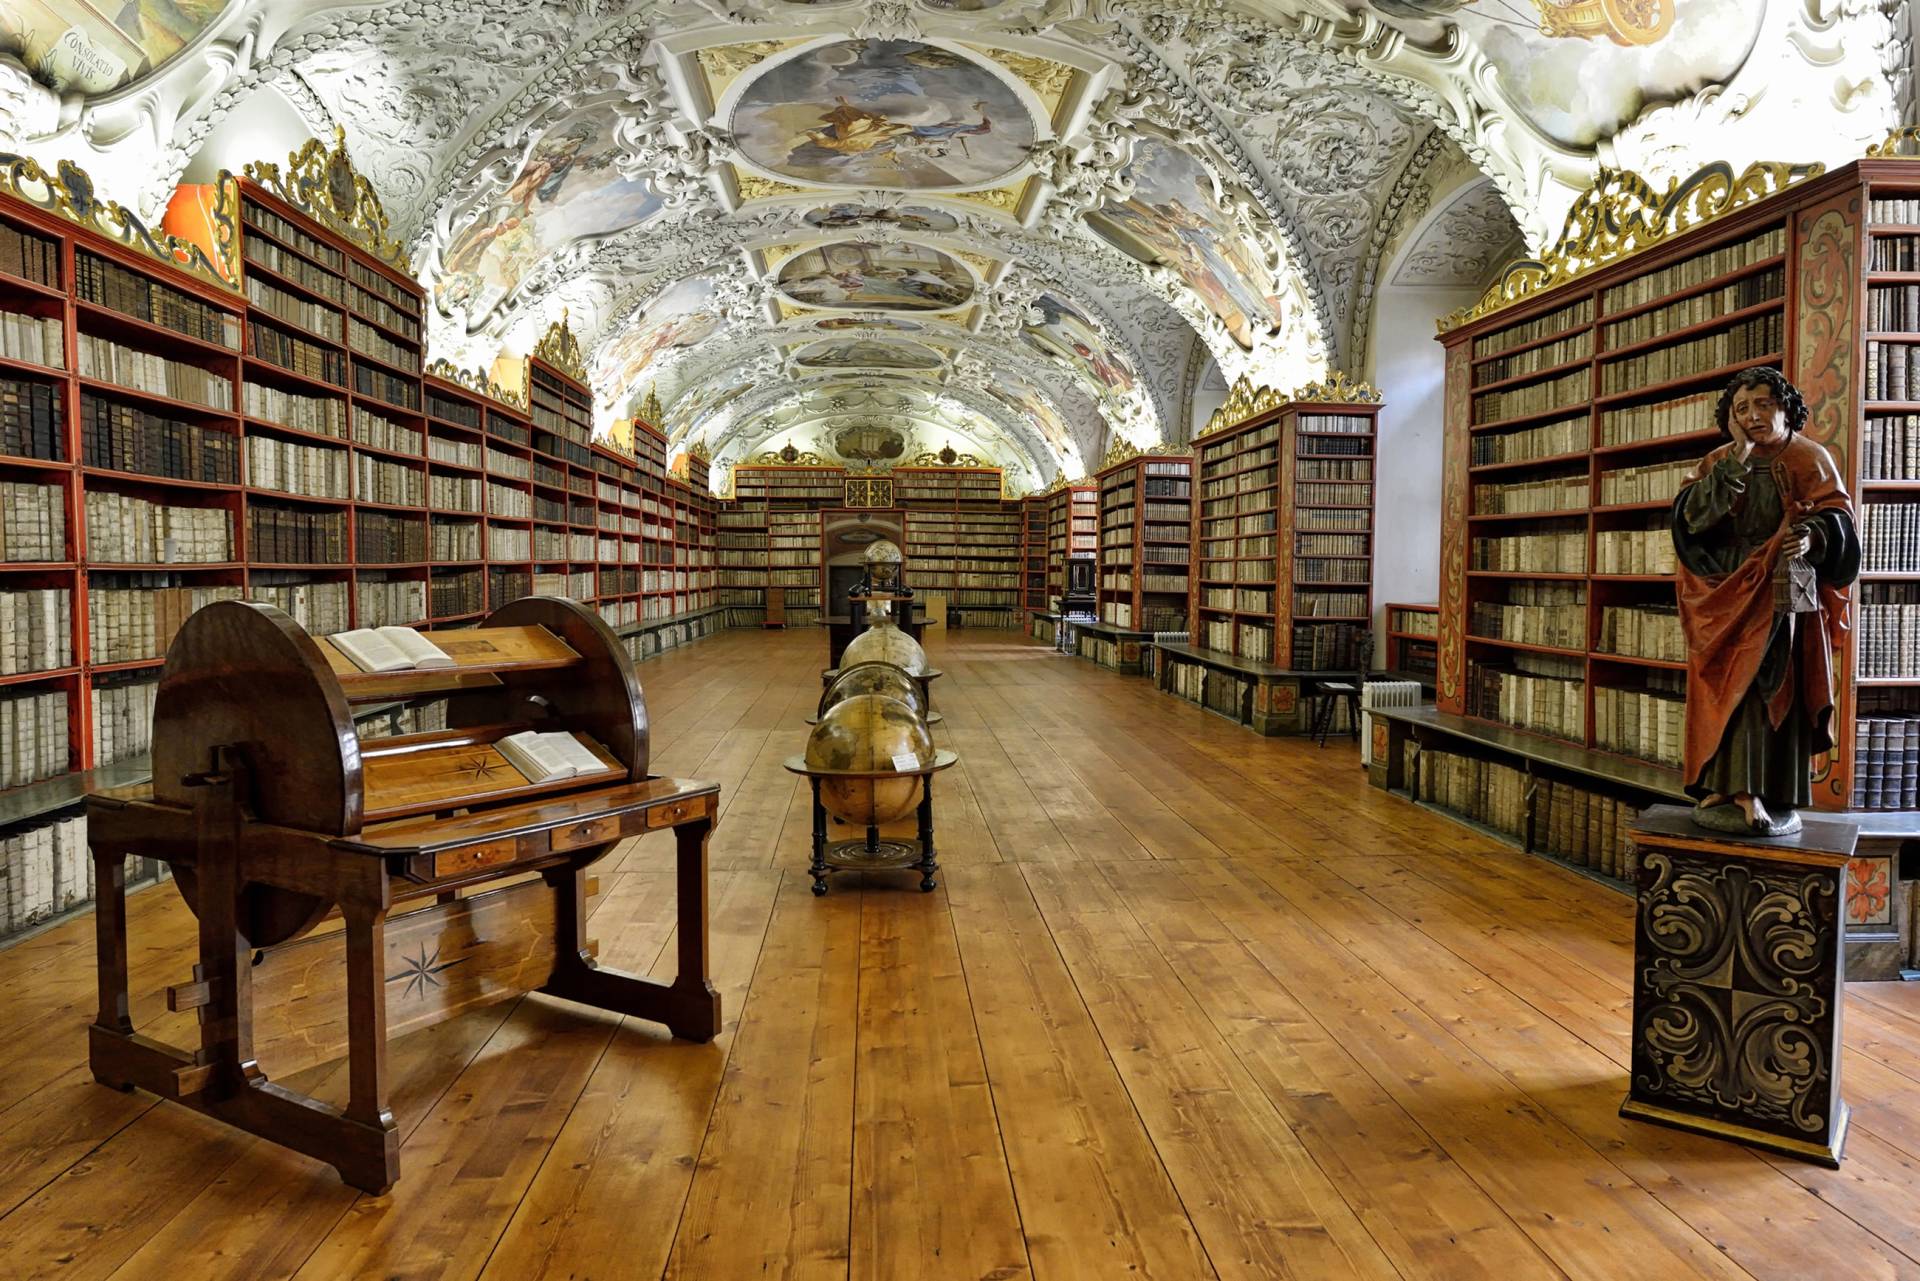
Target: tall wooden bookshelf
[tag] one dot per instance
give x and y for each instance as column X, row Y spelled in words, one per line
column 1146, row 506
column 1413, row 638
column 1073, row 532
column 1033, row 554
column 1285, row 564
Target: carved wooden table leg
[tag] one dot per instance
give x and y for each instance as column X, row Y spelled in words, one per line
column 928, row 864
column 110, row 941
column 375, row 1162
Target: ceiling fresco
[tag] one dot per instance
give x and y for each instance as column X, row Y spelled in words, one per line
column 1023, row 223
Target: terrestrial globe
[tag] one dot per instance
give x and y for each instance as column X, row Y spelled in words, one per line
column 857, row 749
column 874, row 678
column 885, row 643
column 882, row 561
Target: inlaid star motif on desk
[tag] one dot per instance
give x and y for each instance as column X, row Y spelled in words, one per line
column 421, row 972
column 482, row 768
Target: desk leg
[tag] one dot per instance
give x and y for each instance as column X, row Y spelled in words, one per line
column 110, row 942
column 371, row 1160
column 817, row 869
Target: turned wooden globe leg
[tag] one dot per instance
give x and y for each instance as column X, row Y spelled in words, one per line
column 927, row 865
column 818, row 868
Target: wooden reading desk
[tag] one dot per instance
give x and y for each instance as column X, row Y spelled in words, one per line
column 274, row 816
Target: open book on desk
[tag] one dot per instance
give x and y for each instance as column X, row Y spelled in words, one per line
column 389, row 649
column 549, row 757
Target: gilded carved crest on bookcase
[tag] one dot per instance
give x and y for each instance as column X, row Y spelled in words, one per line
column 948, row 457
column 1120, row 451
column 698, row 449
column 1622, row 215
column 1904, row 141
column 787, row 456
column 323, row 184
column 1058, row 483
column 1338, row 389
column 1243, row 401
column 68, row 193
column 650, row 411
column 560, row 347
column 476, row 381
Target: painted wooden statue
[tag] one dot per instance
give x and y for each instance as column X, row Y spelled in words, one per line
column 1767, row 546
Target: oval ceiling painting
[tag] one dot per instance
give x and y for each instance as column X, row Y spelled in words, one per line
column 89, row 49
column 893, row 114
column 842, row 217
column 682, row 316
column 865, row 353
column 899, row 277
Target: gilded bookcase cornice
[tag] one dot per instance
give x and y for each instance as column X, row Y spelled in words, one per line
column 475, row 381
column 1338, row 389
column 1622, row 215
column 560, row 347
column 68, row 193
column 322, row 183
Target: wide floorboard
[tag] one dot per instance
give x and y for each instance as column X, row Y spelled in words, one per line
column 1187, row 1004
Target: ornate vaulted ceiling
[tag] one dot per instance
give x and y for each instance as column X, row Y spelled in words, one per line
column 1018, row 227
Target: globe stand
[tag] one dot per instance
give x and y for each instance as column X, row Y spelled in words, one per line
column 873, row 853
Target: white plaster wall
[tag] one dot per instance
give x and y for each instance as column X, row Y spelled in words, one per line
column 1409, row 368
column 268, row 128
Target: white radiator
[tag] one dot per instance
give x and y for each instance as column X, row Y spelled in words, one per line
column 1383, row 694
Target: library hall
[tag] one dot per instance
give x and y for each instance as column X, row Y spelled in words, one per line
column 959, row 640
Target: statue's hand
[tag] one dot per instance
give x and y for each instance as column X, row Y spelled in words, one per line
column 1742, row 443
column 1799, row 542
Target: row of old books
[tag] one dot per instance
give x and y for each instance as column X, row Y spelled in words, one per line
column 1750, row 340
column 394, row 390
column 1653, row 483
column 29, row 256
column 1531, row 691
column 1571, row 823
column 1696, row 270
column 460, row 413
column 369, row 341
column 420, row 717
column 501, row 463
column 390, row 538
column 1650, row 724
column 452, row 594
column 293, row 267
column 1577, row 346
column 1633, row 551
column 1339, row 495
column 1656, row 420
column 1554, row 494
column 376, row 480
column 315, row 318
column 511, row 504
column 1324, row 544
column 32, row 419
column 1338, row 424
column 33, row 736
column 1561, row 392
column 1893, row 308
column 1894, row 253
column 390, row 603
column 311, row 471
column 442, row 449
column 451, row 493
column 1890, row 447
column 1890, row 538
column 45, row 868
column 1355, row 445
column 453, row 540
column 1885, row 209
column 296, row 535
column 37, row 340
column 1333, row 469
column 36, row 630
column 371, row 429
column 132, row 617
column 1893, row 371
column 130, row 439
column 123, row 717
column 1642, row 631
column 1697, row 309
column 151, row 373
column 1886, row 766
column 136, row 294
column 1306, row 570
column 1889, row 630
column 309, row 360
column 1327, row 647
column 1324, row 518
column 320, row 608
column 1325, row 604
column 1553, row 614
column 509, row 544
column 1553, row 322
column 33, row 521
column 1217, row 634
column 321, row 415
column 123, row 530
column 286, row 233
column 1548, row 553
column 403, row 318
column 1549, row 440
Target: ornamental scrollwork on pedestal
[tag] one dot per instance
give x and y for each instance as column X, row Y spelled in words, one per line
column 323, row 184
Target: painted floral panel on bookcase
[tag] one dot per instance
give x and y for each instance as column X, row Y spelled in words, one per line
column 1453, row 530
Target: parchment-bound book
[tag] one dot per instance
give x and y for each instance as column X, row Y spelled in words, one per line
column 550, row 757
column 389, row 649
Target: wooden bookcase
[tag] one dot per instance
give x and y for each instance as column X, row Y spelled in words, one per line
column 794, row 566
column 1146, row 543
column 1570, row 418
column 1413, row 639
column 948, row 487
column 970, row 557
column 1073, row 532
column 1033, row 554
column 1285, row 562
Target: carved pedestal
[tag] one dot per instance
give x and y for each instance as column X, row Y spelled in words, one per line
column 1738, row 966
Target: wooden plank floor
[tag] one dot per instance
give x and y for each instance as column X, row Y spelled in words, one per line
column 1189, row 1003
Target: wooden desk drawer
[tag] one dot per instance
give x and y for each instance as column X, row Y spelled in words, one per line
column 473, row 858
column 676, row 812
column 593, row 831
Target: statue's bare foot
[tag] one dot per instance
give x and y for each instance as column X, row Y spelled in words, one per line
column 1710, row 800
column 1754, row 809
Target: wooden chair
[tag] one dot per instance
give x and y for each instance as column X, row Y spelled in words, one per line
column 1323, row 697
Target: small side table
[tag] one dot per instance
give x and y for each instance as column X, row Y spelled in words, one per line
column 1738, row 978
column 871, row 853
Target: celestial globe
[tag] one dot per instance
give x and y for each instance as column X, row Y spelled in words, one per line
column 869, row 732
column 874, row 678
column 885, row 643
column 882, row 561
